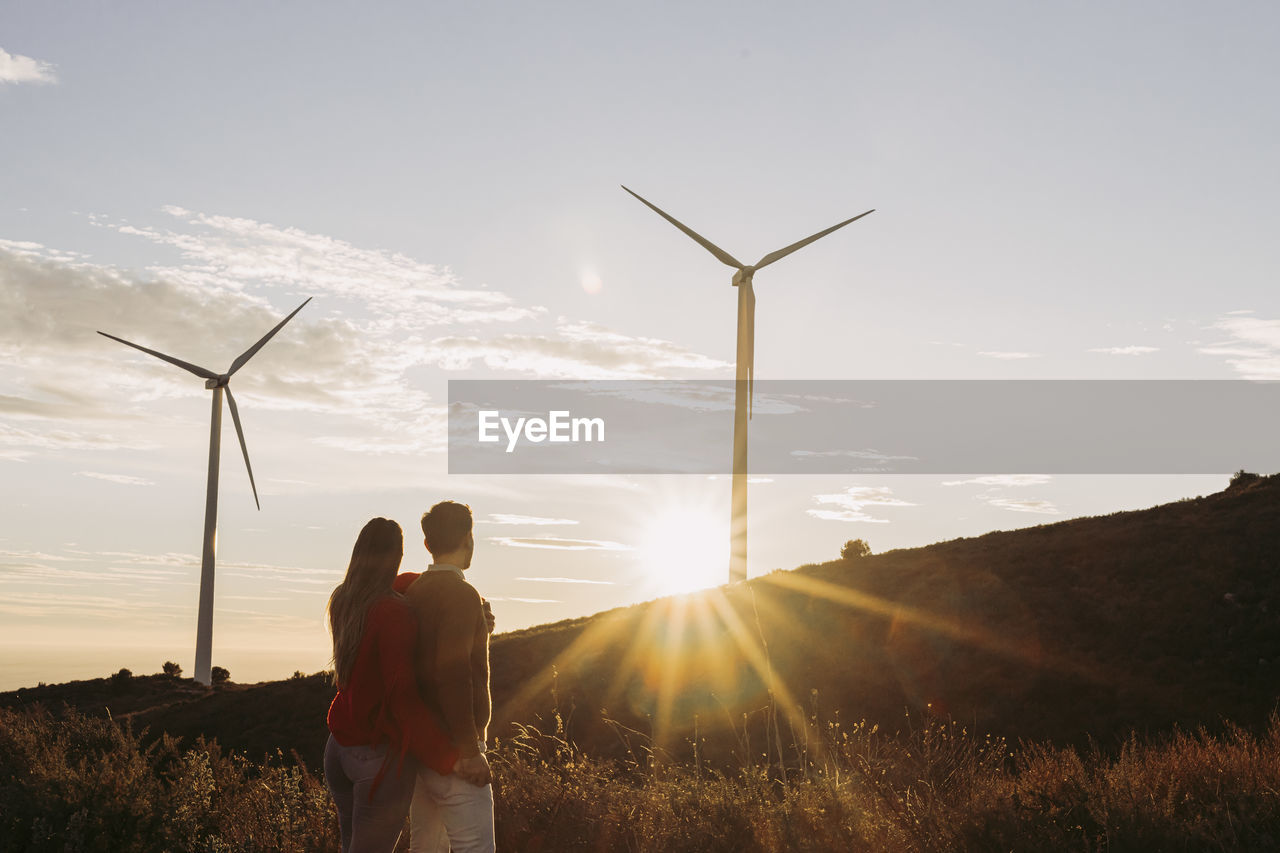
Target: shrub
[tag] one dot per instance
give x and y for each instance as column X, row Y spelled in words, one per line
column 1242, row 478
column 219, row 675
column 855, row 548
column 88, row 783
column 172, row 669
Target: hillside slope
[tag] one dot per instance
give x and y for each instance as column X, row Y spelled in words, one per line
column 1086, row 627
column 1083, row 628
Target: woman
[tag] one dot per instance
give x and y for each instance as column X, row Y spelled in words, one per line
column 380, row 730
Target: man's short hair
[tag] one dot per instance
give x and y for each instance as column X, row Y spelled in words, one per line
column 446, row 526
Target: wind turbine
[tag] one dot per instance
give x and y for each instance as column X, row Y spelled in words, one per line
column 745, row 373
column 218, row 382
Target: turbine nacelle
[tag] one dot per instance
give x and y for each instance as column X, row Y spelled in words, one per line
column 219, row 382
column 743, row 274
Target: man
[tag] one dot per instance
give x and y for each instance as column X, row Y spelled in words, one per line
column 452, row 662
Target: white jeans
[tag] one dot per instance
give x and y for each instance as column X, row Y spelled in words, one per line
column 448, row 813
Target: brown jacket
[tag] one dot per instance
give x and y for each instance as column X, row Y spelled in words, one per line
column 452, row 659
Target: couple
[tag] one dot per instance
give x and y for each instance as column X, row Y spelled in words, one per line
column 411, row 662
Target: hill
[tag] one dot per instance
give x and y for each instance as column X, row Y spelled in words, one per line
column 1087, row 628
column 1084, row 628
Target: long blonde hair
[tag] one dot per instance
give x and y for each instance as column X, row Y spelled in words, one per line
column 375, row 559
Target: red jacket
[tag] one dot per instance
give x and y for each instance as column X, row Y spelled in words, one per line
column 402, row 581
column 381, row 703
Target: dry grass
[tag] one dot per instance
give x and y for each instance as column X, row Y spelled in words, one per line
column 81, row 783
column 86, row 783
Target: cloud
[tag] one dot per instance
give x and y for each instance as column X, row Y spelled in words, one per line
column 354, row 354
column 51, row 307
column 1008, row 355
column 565, row 580
column 845, row 515
column 15, row 68
column 555, row 544
column 295, row 574
column 18, row 444
column 122, row 479
column 851, row 501
column 379, row 444
column 1002, row 480
column 126, row 586
column 707, row 396
column 1037, row 506
column 70, row 605
column 67, row 404
column 262, row 618
column 874, row 459
column 506, row 518
column 1253, row 349
column 226, row 253
column 873, row 455
column 43, row 572
column 171, row 558
column 997, row 481
column 702, row 395
column 578, row 350
column 1130, row 350
column 290, row 574
column 34, row 555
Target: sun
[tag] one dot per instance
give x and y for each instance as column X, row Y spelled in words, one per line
column 684, row 547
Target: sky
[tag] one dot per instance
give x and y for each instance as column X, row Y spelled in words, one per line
column 1083, row 191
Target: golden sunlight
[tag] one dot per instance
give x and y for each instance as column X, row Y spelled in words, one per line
column 684, row 547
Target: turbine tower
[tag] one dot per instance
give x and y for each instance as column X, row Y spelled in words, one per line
column 744, row 374
column 218, row 382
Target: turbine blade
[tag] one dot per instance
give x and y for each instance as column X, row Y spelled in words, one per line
column 252, row 351
column 721, row 255
column 782, row 253
column 198, row 371
column 235, row 418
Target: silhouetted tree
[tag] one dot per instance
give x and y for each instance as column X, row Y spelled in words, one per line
column 855, row 548
column 122, row 677
column 172, row 670
column 219, row 675
column 1242, row 478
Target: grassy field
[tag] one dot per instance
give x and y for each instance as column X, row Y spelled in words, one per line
column 1103, row 655
column 77, row 783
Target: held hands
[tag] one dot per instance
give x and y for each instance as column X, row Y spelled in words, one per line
column 474, row 770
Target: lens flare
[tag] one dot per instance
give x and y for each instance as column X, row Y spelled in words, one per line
column 684, row 548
